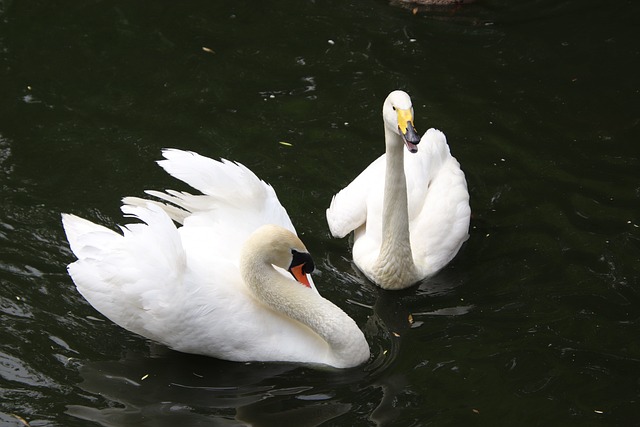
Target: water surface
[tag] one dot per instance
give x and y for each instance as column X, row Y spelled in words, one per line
column 534, row 323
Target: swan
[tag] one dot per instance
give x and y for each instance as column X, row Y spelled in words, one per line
column 409, row 210
column 216, row 285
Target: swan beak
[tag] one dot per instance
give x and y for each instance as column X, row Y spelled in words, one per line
column 408, row 132
column 298, row 273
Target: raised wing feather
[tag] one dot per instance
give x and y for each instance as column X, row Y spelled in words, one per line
column 224, row 184
column 234, row 201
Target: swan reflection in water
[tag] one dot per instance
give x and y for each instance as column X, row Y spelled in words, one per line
column 194, row 390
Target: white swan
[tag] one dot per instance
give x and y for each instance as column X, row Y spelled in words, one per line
column 409, row 210
column 217, row 285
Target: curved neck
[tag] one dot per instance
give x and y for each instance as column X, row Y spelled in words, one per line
column 395, row 260
column 339, row 331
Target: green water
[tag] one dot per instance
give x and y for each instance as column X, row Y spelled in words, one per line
column 535, row 322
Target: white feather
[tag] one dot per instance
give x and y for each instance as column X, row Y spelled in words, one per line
column 437, row 210
column 183, row 286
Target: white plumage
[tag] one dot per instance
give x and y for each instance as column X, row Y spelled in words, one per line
column 217, row 285
column 409, row 209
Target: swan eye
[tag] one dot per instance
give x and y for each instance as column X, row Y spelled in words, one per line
column 394, row 107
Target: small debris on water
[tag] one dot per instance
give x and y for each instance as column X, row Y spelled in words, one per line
column 22, row 420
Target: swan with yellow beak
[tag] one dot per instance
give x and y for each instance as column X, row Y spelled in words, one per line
column 409, row 209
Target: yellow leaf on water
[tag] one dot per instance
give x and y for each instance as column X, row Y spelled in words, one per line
column 286, row 144
column 206, row 49
column 22, row 420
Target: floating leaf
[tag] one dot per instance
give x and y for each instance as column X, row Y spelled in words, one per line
column 206, row 49
column 22, row 420
column 286, row 144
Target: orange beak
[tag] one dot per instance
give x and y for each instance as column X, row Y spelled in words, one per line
column 300, row 275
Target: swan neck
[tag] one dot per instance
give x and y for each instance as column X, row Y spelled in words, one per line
column 395, row 211
column 304, row 305
column 395, row 260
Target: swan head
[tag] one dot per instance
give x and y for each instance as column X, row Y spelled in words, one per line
column 278, row 246
column 397, row 112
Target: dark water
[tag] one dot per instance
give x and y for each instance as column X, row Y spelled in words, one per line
column 537, row 320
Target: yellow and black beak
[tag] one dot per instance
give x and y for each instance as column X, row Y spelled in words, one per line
column 408, row 132
column 301, row 265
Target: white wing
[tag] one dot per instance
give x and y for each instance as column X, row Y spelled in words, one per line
column 349, row 207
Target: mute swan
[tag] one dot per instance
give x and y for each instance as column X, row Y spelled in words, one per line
column 409, row 210
column 217, row 285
